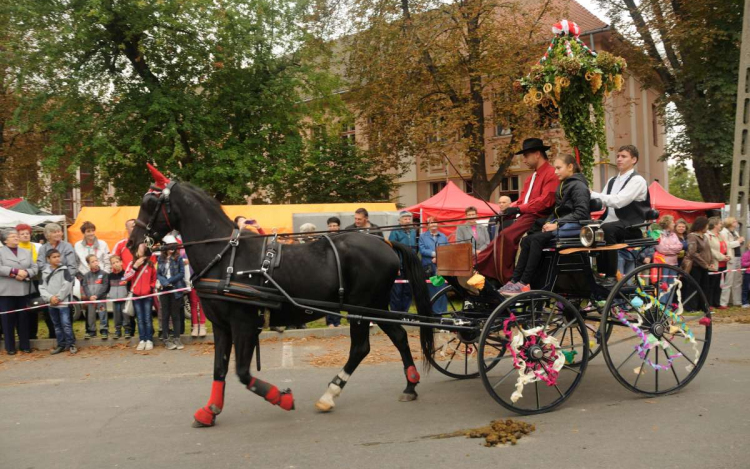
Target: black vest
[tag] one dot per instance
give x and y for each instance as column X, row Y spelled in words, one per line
column 633, row 213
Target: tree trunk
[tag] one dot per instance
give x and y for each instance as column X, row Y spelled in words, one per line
column 709, row 179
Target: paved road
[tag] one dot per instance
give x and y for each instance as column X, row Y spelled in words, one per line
column 114, row 408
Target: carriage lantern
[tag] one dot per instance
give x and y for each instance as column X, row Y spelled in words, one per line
column 591, row 235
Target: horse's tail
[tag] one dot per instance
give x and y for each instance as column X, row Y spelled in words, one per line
column 414, row 273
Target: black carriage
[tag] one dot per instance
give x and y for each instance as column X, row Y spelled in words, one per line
column 531, row 350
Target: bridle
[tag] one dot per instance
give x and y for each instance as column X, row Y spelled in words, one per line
column 162, row 207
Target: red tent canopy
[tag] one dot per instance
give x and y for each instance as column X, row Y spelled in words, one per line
column 448, row 204
column 8, row 203
column 667, row 204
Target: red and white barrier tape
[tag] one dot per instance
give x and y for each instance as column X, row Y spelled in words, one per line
column 93, row 302
column 727, row 271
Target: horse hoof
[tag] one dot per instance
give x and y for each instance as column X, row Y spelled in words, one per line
column 323, row 407
column 203, row 418
column 197, row 424
column 407, row 397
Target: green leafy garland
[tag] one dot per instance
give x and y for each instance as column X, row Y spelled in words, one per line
column 572, row 81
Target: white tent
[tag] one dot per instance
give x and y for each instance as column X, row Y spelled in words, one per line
column 9, row 219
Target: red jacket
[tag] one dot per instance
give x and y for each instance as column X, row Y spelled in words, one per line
column 542, row 198
column 146, row 283
column 123, row 252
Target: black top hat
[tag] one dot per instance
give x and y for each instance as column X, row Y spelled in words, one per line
column 533, row 144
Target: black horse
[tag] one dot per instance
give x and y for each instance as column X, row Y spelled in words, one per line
column 369, row 267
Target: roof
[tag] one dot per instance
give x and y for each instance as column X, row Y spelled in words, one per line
column 586, row 20
column 663, row 200
column 8, row 203
column 9, row 219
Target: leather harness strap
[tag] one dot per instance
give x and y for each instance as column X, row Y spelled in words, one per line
column 338, row 270
column 233, row 243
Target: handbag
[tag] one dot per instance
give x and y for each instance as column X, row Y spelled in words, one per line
column 128, row 310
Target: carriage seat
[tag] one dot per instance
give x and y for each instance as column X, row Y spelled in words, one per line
column 595, row 205
column 644, row 240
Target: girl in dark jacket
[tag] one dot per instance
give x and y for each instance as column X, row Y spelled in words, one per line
column 571, row 206
column 171, row 275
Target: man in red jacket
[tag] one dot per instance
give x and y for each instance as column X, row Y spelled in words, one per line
column 536, row 201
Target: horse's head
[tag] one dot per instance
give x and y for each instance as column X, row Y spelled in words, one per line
column 157, row 216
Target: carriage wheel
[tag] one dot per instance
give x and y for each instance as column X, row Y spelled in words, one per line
column 455, row 352
column 591, row 312
column 535, row 374
column 662, row 329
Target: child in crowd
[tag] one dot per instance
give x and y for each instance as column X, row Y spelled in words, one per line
column 95, row 287
column 746, row 277
column 56, row 286
column 171, row 276
column 118, row 288
column 142, row 276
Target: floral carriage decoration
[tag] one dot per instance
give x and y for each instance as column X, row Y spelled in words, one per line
column 572, row 81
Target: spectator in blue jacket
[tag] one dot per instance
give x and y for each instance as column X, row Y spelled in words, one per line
column 407, row 234
column 428, row 243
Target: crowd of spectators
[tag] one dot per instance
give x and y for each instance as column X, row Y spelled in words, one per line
column 710, row 249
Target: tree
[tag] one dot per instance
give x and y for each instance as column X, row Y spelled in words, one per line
column 333, row 169
column 212, row 91
column 690, row 49
column 424, row 73
column 682, row 182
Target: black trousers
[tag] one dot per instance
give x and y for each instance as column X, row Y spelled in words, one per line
column 13, row 321
column 703, row 279
column 614, row 233
column 171, row 307
column 531, row 255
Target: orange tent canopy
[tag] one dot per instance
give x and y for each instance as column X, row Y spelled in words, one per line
column 110, row 221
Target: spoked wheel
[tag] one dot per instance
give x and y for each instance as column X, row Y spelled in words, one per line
column 664, row 329
column 455, row 352
column 535, row 374
column 591, row 312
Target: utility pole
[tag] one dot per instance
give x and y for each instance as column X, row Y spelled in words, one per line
column 741, row 155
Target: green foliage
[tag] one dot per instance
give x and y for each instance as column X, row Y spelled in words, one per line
column 332, row 169
column 683, row 184
column 572, row 82
column 690, row 50
column 215, row 92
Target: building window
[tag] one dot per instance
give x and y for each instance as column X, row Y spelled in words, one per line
column 436, row 187
column 349, row 133
column 468, row 187
column 501, row 131
column 437, row 166
column 509, row 186
column 655, row 124
column 87, row 188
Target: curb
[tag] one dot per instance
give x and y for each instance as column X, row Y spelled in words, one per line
column 48, row 344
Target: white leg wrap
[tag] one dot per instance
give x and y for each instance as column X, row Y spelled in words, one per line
column 334, row 390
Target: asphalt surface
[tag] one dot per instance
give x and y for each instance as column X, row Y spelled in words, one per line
column 115, row 408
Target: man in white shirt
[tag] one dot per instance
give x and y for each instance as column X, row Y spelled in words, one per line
column 627, row 200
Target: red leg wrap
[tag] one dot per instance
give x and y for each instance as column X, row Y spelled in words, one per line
column 412, row 375
column 217, row 395
column 273, row 396
column 271, row 393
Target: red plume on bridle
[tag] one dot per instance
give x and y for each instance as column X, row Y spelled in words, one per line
column 160, row 180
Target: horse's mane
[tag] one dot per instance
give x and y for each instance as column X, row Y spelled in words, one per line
column 206, row 201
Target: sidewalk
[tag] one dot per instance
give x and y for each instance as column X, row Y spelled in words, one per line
column 48, row 344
